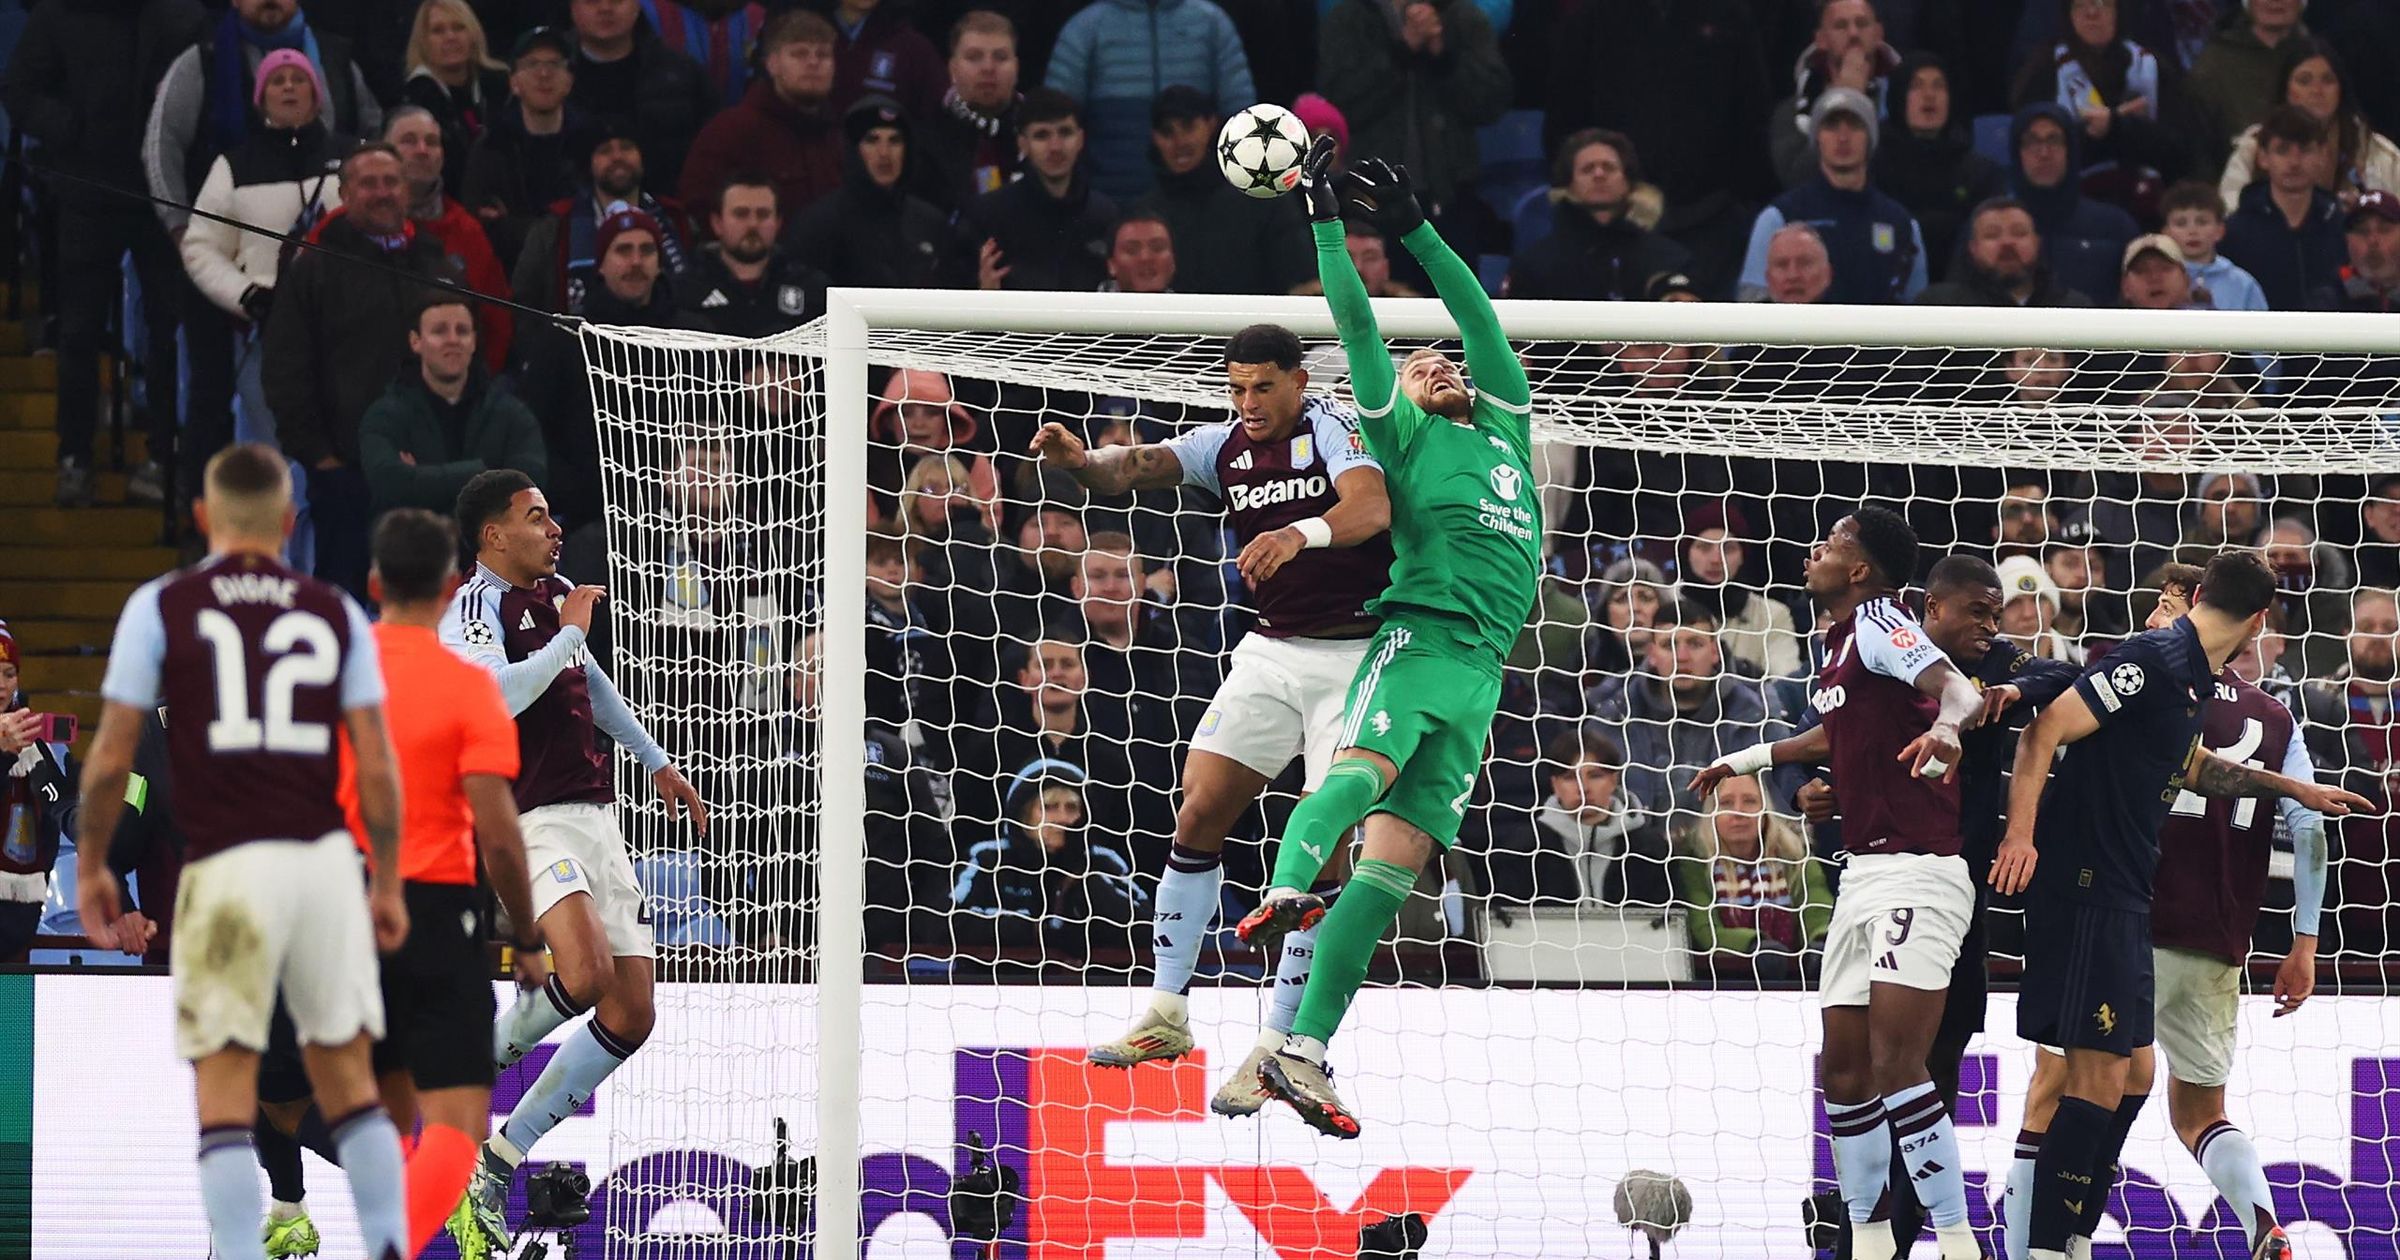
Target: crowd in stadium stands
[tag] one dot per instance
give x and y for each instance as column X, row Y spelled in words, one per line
column 1040, row 653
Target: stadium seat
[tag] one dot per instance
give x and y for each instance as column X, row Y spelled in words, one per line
column 1492, row 269
column 1991, row 137
column 1530, row 218
column 1513, row 161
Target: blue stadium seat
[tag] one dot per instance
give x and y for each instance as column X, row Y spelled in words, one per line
column 1991, row 137
column 1491, row 269
column 1531, row 217
column 1514, row 140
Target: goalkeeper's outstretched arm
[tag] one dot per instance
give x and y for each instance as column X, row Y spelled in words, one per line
column 1372, row 380
column 1492, row 363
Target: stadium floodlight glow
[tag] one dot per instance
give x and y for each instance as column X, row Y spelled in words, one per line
column 741, row 477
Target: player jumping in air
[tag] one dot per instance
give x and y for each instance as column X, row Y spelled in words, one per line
column 1894, row 710
column 261, row 665
column 1962, row 617
column 457, row 750
column 519, row 619
column 1467, row 542
column 2132, row 730
column 1297, row 483
column 2212, row 880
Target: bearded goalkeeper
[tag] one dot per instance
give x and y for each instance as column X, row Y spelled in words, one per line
column 1466, row 539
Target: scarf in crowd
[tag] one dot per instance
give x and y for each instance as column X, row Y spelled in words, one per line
column 228, row 97
column 1757, row 895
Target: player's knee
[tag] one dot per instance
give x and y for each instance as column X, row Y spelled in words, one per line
column 1201, row 824
column 589, row 981
column 1848, row 1082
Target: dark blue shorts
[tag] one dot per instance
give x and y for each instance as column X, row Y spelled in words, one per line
column 2087, row 980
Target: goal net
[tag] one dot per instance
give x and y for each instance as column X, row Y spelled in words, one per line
column 939, row 698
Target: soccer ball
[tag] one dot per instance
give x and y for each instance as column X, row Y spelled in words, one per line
column 1260, row 150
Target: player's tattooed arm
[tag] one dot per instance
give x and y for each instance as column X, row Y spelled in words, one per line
column 1111, row 469
column 2212, row 775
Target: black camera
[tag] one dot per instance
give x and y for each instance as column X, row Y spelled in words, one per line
column 783, row 1192
column 1393, row 1238
column 984, row 1201
column 558, row 1196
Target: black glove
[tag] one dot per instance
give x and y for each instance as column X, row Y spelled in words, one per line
column 257, row 300
column 1317, row 181
column 1381, row 191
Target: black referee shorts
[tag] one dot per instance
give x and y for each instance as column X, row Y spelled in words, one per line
column 437, row 992
column 2088, row 981
column 282, row 1077
column 1970, row 980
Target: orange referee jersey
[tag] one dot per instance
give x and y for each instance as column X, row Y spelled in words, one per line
column 447, row 721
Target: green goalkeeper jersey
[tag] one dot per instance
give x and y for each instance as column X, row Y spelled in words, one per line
column 1466, row 516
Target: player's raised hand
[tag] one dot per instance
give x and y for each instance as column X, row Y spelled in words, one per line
column 2013, row 869
column 1269, row 552
column 1384, row 193
column 1704, row 784
column 2296, row 979
column 679, row 796
column 1817, row 803
column 1056, row 445
column 577, row 610
column 1998, row 700
column 96, row 901
column 1933, row 754
column 1317, row 182
column 2333, row 802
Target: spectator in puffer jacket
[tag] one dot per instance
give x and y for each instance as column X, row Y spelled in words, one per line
column 627, row 76
column 414, row 131
column 453, row 75
column 875, row 233
column 879, row 52
column 2082, row 238
column 1601, row 246
column 784, row 126
column 1414, row 79
column 283, row 179
column 1117, row 56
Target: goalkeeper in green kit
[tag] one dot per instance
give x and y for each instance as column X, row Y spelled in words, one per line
column 1466, row 534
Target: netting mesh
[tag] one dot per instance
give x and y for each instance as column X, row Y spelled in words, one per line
column 1604, row 975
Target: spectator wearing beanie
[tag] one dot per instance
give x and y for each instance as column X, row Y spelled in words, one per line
column 874, row 232
column 879, row 52
column 1601, row 247
column 1323, row 118
column 531, row 155
column 1847, row 53
column 2081, row 238
column 418, row 136
column 1871, row 240
column 554, row 272
column 285, row 177
column 968, row 144
column 1048, row 229
column 453, row 76
column 715, row 33
column 2000, row 264
column 1117, row 57
column 625, row 76
column 88, row 114
column 337, row 337
column 1414, row 80
column 784, row 125
column 1224, row 242
column 1926, row 159
column 629, row 287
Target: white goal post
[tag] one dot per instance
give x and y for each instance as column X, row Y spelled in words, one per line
column 1165, row 347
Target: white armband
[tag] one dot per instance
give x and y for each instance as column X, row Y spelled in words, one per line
column 1751, row 760
column 1314, row 533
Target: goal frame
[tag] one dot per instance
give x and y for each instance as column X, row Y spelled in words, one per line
column 853, row 315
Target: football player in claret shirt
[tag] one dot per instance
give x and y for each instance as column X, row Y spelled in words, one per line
column 1308, row 508
column 2087, row 844
column 261, row 666
column 1894, row 711
column 519, row 619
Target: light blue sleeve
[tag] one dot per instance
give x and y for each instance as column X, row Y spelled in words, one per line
column 1338, row 439
column 1196, row 450
column 611, row 714
column 362, row 668
column 1917, row 278
column 1753, row 284
column 139, row 651
column 2306, row 827
column 471, row 627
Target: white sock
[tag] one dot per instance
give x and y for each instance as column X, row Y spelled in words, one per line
column 1872, row 1241
column 2016, row 1202
column 1862, row 1165
column 280, row 1211
column 532, row 1017
column 1271, row 1040
column 1291, row 979
column 2079, row 1247
column 1957, row 1242
column 567, row 1083
column 1187, row 904
column 370, row 1151
column 2046, row 1255
column 1308, row 1048
column 229, row 1192
column 1174, row 1006
column 2231, row 1162
column 1929, row 1150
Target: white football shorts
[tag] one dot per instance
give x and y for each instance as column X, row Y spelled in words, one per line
column 269, row 915
column 1899, row 919
column 1282, row 699
column 2198, row 1010
column 576, row 848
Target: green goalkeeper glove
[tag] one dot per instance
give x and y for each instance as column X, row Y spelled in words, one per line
column 1382, row 191
column 1316, row 180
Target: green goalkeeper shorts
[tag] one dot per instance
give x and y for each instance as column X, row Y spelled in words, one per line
column 1424, row 701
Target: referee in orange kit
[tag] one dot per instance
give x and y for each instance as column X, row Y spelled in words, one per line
column 457, row 749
